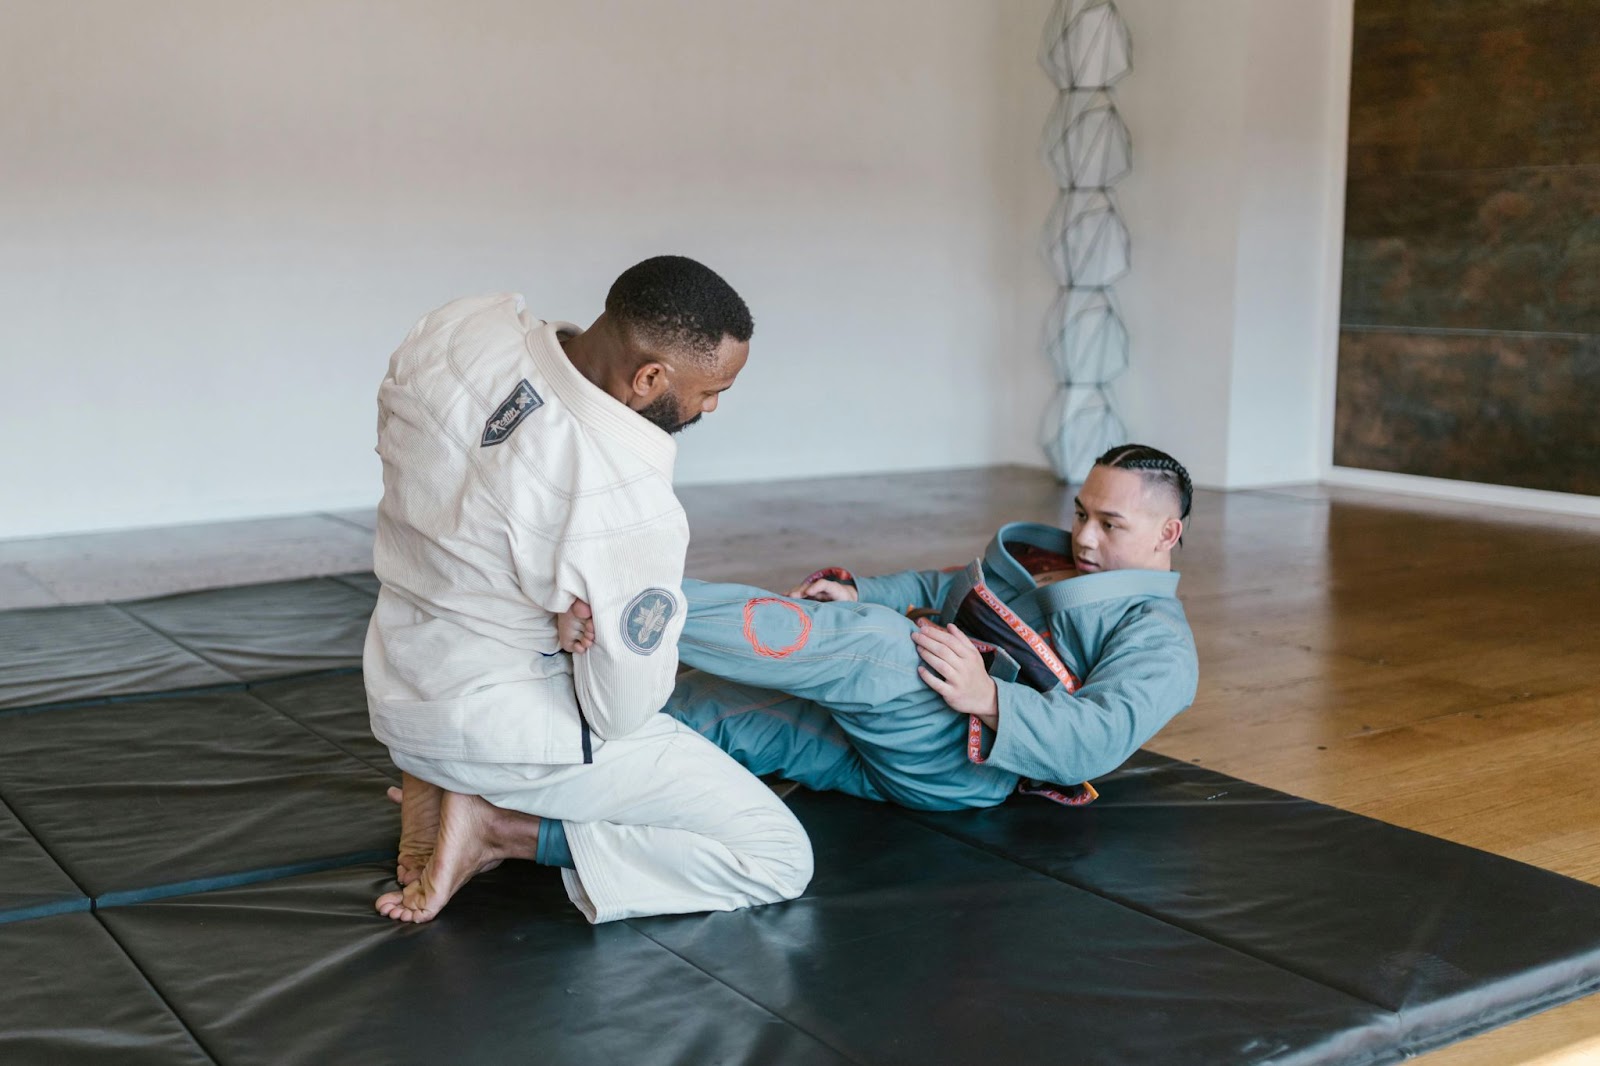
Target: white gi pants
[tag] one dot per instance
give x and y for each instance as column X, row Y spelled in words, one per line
column 662, row 822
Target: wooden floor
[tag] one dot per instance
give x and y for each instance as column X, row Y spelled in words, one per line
column 1432, row 665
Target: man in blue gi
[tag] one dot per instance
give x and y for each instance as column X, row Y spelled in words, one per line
column 839, row 689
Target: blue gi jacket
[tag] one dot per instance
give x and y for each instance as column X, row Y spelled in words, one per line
column 1121, row 633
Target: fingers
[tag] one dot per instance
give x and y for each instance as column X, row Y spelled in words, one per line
column 575, row 628
column 954, row 644
column 395, row 795
column 823, row 589
column 960, row 638
column 936, row 655
column 935, row 682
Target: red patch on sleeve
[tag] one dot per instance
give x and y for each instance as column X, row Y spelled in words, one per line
column 762, row 648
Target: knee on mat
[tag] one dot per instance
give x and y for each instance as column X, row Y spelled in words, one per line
column 783, row 852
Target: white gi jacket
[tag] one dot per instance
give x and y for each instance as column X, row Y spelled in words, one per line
column 511, row 486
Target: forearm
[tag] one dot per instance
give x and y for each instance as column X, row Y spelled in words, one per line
column 632, row 584
column 617, row 698
column 906, row 589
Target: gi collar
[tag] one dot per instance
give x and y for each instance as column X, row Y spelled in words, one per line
column 592, row 405
column 1105, row 585
column 1000, row 562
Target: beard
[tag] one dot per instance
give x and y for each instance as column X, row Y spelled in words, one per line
column 666, row 412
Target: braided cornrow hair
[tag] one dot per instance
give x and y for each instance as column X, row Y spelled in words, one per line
column 1154, row 465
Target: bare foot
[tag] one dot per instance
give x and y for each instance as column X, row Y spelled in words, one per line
column 419, row 826
column 474, row 836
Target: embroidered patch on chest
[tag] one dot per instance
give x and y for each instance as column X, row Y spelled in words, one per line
column 644, row 621
column 509, row 415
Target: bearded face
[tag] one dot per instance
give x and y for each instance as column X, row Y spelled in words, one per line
column 668, row 412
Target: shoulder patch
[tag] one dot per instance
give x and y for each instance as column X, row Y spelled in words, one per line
column 509, row 415
column 644, row 620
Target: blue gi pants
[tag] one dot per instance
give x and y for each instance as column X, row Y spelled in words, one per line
column 826, row 694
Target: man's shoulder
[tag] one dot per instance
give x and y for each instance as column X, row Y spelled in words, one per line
column 1158, row 622
column 579, row 491
column 506, row 307
column 472, row 339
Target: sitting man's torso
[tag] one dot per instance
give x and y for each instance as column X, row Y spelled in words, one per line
column 497, row 457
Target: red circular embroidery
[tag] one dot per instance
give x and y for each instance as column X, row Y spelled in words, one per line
column 766, row 649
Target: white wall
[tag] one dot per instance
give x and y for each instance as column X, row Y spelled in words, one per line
column 216, row 220
column 1235, row 205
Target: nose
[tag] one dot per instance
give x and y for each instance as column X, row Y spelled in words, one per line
column 709, row 406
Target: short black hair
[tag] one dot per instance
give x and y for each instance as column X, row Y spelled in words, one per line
column 675, row 302
column 1156, row 467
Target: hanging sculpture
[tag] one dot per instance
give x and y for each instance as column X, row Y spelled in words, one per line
column 1086, row 51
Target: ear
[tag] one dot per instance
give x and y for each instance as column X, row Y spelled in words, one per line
column 649, row 381
column 1171, row 533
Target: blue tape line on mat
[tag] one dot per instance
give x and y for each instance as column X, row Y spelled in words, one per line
column 45, row 910
column 251, row 877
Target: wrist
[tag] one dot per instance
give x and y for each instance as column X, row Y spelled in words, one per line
column 989, row 711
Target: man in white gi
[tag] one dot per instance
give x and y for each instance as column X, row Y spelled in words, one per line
column 528, row 464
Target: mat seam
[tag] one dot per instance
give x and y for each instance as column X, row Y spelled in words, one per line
column 123, row 610
column 1402, row 1050
column 281, row 713
column 159, row 994
column 77, row 884
column 291, row 870
column 1128, row 905
column 261, row 875
column 121, row 607
column 742, row 994
column 340, row 578
column 176, row 693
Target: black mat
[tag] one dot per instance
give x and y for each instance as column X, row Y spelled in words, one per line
column 31, row 884
column 913, row 948
column 58, row 654
column 178, row 794
column 259, row 631
column 303, row 971
column 367, row 582
column 1450, row 939
column 335, row 708
column 73, row 998
column 1186, row 917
